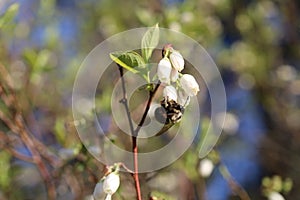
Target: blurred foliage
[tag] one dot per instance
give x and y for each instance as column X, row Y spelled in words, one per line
column 7, row 18
column 42, row 44
column 4, row 166
column 276, row 183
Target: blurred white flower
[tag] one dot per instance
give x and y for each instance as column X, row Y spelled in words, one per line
column 164, row 70
column 189, row 85
column 275, row 196
column 175, row 26
column 206, row 167
column 227, row 121
column 108, row 197
column 107, row 187
column 170, row 91
column 99, row 194
column 111, row 183
column 187, row 17
column 183, row 99
column 177, row 60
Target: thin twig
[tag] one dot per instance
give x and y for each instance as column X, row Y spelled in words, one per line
column 53, row 160
column 124, row 101
column 134, row 133
column 36, row 156
column 17, row 125
column 235, row 186
column 6, row 77
column 10, row 100
column 151, row 96
column 126, row 168
column 136, row 167
column 6, row 146
column 7, row 99
column 8, row 122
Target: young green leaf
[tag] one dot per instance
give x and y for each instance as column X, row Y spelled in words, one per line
column 149, row 42
column 129, row 60
column 9, row 15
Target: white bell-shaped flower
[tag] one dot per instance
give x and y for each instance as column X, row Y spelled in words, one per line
column 182, row 98
column 164, row 70
column 189, row 85
column 174, row 75
column 170, row 92
column 111, row 183
column 177, row 60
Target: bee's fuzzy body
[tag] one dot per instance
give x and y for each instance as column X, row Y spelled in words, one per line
column 169, row 114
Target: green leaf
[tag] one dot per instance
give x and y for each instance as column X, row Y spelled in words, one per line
column 128, row 60
column 9, row 15
column 149, row 42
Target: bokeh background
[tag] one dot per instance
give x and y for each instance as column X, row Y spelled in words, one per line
column 255, row 44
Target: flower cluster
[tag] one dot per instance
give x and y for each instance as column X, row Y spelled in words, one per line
column 108, row 185
column 168, row 72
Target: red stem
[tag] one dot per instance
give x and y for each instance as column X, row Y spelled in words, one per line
column 135, row 146
column 133, row 136
column 136, row 168
column 134, row 133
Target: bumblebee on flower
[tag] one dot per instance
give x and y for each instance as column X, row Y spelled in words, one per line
column 179, row 88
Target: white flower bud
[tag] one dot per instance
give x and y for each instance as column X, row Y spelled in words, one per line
column 164, row 70
column 174, row 75
column 206, row 167
column 189, row 85
column 177, row 60
column 183, row 99
column 99, row 194
column 170, row 91
column 275, row 196
column 111, row 183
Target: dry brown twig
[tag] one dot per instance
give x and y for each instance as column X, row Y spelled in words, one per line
column 235, row 186
column 17, row 125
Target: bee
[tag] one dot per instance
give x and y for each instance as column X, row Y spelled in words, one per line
column 168, row 114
